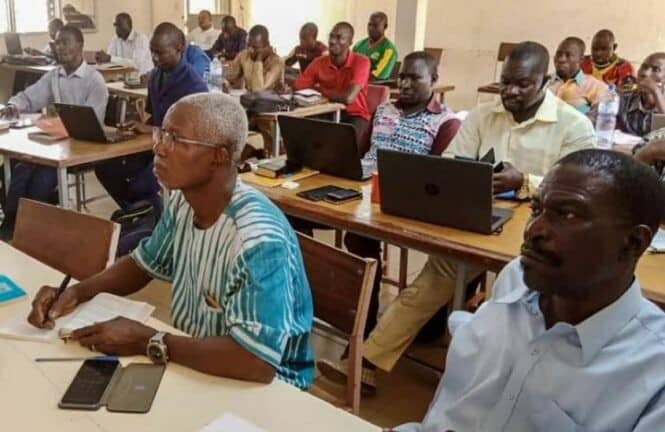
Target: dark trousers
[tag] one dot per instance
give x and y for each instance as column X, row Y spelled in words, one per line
column 31, row 181
column 130, row 179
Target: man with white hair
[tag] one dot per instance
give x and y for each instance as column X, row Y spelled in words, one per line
column 239, row 284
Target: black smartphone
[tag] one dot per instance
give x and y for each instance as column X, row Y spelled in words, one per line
column 498, row 167
column 90, row 385
column 343, row 195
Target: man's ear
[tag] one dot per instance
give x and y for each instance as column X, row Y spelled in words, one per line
column 638, row 240
column 221, row 156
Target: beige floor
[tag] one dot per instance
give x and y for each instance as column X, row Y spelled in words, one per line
column 403, row 395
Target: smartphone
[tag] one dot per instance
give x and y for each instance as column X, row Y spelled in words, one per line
column 136, row 388
column 498, row 167
column 343, row 195
column 90, row 385
column 21, row 124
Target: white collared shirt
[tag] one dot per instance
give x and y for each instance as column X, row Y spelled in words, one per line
column 203, row 38
column 505, row 371
column 85, row 86
column 133, row 52
column 532, row 146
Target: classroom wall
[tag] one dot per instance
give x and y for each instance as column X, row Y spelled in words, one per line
column 470, row 32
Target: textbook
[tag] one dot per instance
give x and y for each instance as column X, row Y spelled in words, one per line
column 102, row 307
column 9, row 291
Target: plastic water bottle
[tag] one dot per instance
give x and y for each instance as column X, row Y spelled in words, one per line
column 608, row 108
column 215, row 76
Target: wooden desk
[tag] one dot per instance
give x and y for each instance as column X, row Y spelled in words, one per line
column 186, row 400
column 119, row 89
column 64, row 154
column 491, row 252
column 309, row 111
column 108, row 70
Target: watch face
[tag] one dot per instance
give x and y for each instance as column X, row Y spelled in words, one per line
column 155, row 353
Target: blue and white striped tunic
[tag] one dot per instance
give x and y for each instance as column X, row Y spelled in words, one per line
column 249, row 266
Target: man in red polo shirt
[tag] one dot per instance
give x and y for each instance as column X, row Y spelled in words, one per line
column 342, row 76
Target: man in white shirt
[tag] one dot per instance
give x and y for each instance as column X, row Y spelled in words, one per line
column 129, row 47
column 567, row 342
column 205, row 34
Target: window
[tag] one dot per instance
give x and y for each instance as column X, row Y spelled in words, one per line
column 26, row 16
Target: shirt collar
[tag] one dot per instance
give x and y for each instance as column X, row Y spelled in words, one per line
column 547, row 112
column 347, row 63
column 132, row 36
column 598, row 330
column 80, row 72
column 579, row 78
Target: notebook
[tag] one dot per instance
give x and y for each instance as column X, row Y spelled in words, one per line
column 9, row 291
column 103, row 307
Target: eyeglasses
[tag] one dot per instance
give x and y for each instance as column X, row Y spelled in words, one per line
column 168, row 140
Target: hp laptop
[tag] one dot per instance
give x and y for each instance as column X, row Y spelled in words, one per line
column 325, row 146
column 442, row 191
column 82, row 124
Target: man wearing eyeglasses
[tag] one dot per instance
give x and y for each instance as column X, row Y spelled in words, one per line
column 130, row 179
column 129, row 47
column 239, row 284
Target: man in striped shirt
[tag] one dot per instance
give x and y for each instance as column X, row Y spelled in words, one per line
column 239, row 284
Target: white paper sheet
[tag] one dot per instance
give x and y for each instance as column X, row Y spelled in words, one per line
column 228, row 422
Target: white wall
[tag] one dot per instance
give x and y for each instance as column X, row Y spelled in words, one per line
column 470, row 32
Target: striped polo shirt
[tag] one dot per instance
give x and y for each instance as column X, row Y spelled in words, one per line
column 242, row 277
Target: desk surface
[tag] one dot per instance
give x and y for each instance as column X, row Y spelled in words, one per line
column 186, row 400
column 309, row 111
column 69, row 152
column 107, row 70
column 119, row 88
column 490, row 251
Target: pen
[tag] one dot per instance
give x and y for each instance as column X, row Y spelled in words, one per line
column 61, row 289
column 69, row 359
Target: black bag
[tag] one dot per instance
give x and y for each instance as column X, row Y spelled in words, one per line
column 136, row 223
column 265, row 101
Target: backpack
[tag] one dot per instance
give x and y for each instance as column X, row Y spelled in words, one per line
column 136, row 223
column 265, row 101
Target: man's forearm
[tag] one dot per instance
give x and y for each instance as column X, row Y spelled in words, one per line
column 123, row 278
column 220, row 356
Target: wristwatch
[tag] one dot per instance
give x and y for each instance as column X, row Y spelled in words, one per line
column 157, row 351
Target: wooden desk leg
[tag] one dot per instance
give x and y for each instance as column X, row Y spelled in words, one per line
column 338, row 115
column 460, row 285
column 8, row 174
column 276, row 139
column 63, row 187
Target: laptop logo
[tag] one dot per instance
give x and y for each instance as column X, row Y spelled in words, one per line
column 432, row 189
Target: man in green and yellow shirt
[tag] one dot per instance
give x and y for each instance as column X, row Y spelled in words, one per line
column 377, row 47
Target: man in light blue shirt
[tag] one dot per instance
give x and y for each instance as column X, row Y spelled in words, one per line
column 567, row 342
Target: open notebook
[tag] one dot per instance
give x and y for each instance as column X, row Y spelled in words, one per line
column 101, row 308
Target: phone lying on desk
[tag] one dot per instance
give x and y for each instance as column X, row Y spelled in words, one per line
column 90, row 385
column 343, row 195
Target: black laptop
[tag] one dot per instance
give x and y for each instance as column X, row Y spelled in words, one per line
column 82, row 124
column 324, row 146
column 442, row 191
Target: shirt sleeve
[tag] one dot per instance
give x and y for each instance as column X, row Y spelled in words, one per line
column 308, row 77
column 233, row 72
column 155, row 254
column 35, row 97
column 259, row 312
column 385, row 64
column 467, row 141
column 447, row 132
column 142, row 55
column 98, row 96
column 361, row 72
column 653, row 417
column 272, row 73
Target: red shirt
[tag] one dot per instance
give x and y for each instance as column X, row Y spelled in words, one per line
column 333, row 80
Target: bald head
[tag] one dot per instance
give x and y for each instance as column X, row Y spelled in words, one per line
column 123, row 25
column 167, row 32
column 523, row 79
column 568, row 57
column 167, row 46
column 603, row 47
column 532, row 55
column 377, row 25
column 309, row 29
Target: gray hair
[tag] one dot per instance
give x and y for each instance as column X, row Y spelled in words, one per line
column 220, row 119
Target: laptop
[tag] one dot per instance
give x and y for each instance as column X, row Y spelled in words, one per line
column 82, row 124
column 443, row 191
column 657, row 121
column 13, row 44
column 324, row 146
